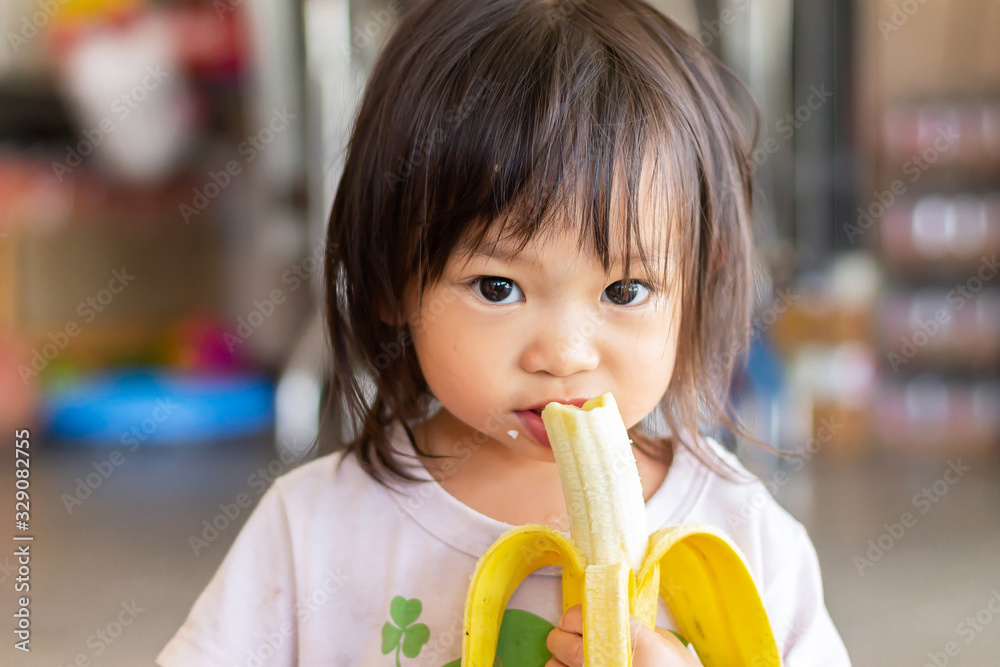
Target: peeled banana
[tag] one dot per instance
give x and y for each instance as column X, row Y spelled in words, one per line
column 612, row 566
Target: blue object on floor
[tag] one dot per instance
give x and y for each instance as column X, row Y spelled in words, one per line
column 758, row 385
column 158, row 406
column 764, row 368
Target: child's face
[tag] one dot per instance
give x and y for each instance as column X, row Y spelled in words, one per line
column 546, row 325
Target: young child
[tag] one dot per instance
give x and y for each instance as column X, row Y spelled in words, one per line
column 543, row 200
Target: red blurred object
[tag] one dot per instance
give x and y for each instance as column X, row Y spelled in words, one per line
column 209, row 42
column 20, row 398
column 33, row 196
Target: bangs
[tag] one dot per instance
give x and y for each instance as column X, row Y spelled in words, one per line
column 546, row 125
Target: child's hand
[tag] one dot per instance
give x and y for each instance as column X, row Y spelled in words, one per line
column 649, row 649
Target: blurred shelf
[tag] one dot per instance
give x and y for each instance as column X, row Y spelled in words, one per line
column 942, row 329
column 939, row 323
column 932, row 414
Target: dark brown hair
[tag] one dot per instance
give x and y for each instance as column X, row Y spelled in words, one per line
column 530, row 113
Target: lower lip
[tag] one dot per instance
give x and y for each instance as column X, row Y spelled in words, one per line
column 535, row 426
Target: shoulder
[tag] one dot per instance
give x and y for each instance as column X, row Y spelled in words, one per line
column 330, row 488
column 734, row 499
column 777, row 550
column 729, row 486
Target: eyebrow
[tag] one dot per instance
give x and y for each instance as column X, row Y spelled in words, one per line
column 502, row 254
column 506, row 255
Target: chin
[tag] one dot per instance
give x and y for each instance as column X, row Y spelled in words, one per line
column 537, row 453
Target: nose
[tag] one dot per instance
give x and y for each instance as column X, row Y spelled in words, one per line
column 563, row 344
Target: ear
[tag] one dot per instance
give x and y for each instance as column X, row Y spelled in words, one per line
column 386, row 316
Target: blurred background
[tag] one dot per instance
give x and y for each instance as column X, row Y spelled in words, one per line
column 166, row 170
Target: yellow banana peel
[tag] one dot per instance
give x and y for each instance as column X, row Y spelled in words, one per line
column 612, row 566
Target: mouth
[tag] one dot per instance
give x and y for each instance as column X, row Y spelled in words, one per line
column 538, row 407
column 531, row 417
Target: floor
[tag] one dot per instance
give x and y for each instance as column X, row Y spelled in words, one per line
column 124, row 552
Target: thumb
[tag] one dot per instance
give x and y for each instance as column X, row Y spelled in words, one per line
column 670, row 636
column 660, row 645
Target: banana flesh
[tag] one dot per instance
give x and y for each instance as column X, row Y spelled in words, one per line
column 600, row 481
column 612, row 566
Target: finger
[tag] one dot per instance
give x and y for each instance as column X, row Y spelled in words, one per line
column 565, row 641
column 660, row 644
column 566, row 648
column 572, row 620
column 670, row 637
column 638, row 629
column 635, row 628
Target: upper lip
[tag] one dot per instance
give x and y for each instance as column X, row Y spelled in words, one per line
column 578, row 402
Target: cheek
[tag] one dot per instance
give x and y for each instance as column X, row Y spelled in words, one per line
column 655, row 350
column 459, row 356
column 654, row 341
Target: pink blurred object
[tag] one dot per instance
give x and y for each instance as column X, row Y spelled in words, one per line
column 932, row 414
column 938, row 327
column 199, row 343
column 949, row 232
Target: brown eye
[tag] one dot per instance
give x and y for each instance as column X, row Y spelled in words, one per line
column 623, row 292
column 495, row 289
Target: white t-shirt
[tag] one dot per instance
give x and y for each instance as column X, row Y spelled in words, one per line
column 333, row 569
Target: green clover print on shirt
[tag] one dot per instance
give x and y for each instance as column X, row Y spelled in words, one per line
column 405, row 634
column 521, row 641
